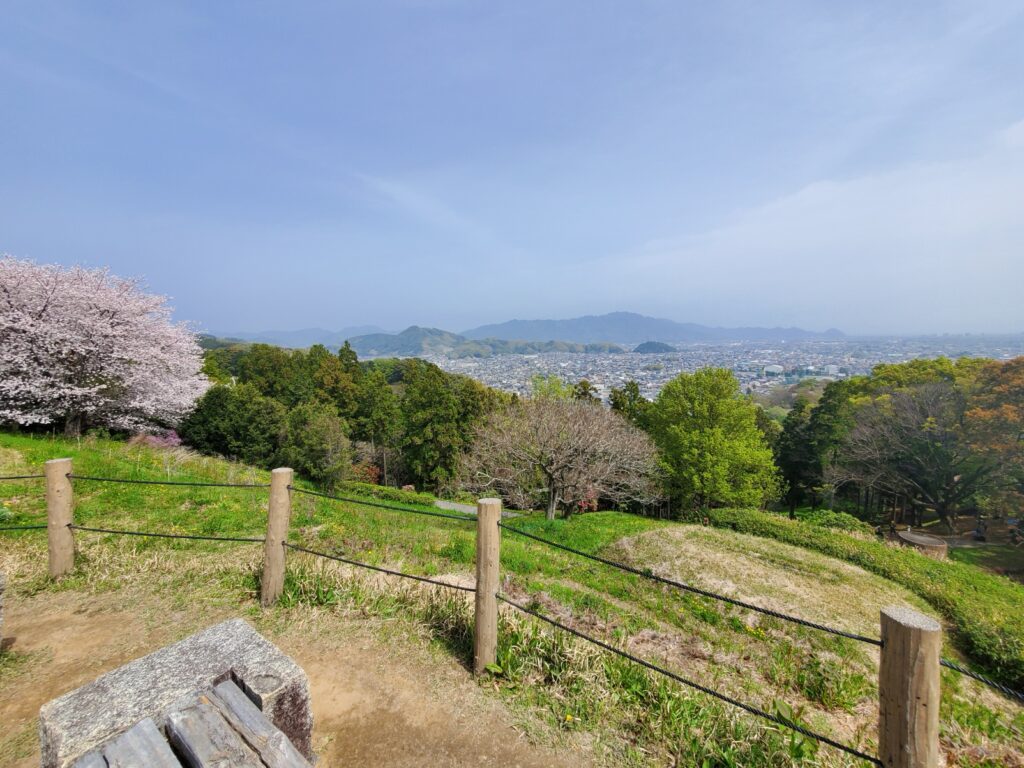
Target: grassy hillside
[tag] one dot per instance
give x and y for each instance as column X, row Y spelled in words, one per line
column 560, row 688
column 986, row 611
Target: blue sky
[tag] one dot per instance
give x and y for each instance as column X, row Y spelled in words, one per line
column 447, row 163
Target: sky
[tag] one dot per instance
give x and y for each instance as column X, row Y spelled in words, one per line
column 448, row 163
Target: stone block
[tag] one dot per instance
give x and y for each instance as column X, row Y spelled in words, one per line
column 81, row 720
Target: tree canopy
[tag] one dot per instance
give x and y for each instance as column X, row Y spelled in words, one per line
column 83, row 347
column 563, row 453
column 711, row 448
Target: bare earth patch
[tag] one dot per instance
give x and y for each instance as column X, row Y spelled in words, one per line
column 381, row 696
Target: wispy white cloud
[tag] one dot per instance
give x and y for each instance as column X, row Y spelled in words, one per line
column 921, row 247
column 428, row 209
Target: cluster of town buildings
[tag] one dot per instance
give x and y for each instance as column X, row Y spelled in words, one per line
column 758, row 366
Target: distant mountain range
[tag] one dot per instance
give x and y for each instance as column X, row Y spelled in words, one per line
column 631, row 328
column 304, row 337
column 612, row 333
column 433, row 341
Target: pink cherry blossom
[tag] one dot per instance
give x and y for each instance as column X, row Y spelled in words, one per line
column 84, row 347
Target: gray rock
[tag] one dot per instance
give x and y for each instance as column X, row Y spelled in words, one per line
column 83, row 719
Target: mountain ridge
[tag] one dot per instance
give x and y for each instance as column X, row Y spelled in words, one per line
column 416, row 340
column 612, row 332
column 632, row 328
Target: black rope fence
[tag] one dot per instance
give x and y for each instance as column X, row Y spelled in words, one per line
column 696, row 590
column 1008, row 692
column 1005, row 690
column 167, row 482
column 379, row 569
column 381, row 505
column 244, row 539
column 777, row 719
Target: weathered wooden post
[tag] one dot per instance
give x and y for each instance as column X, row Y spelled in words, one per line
column 279, row 514
column 485, row 629
column 908, row 688
column 59, row 505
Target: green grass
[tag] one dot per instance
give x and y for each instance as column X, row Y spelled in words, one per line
column 986, row 611
column 998, row 558
column 565, row 682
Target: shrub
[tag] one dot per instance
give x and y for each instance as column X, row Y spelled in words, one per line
column 840, row 521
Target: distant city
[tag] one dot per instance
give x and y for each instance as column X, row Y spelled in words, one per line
column 758, row 366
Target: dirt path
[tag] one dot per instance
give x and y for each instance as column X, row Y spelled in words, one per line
column 375, row 702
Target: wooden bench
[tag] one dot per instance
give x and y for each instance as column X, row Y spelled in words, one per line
column 221, row 727
column 225, row 696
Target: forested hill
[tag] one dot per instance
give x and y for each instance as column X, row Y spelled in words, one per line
column 415, row 341
column 632, row 328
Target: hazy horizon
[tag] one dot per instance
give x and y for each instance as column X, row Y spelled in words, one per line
column 451, row 164
column 370, row 327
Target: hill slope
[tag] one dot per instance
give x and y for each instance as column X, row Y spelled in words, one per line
column 545, row 680
column 415, row 341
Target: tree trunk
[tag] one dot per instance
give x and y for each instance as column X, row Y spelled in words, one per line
column 943, row 512
column 552, row 502
column 73, row 425
column 792, row 509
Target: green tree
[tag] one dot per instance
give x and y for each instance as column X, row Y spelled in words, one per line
column 350, row 362
column 628, row 401
column 550, row 386
column 439, row 412
column 237, row 422
column 331, row 381
column 273, row 372
column 913, row 442
column 796, row 456
column 314, row 443
column 710, row 447
column 770, row 429
column 378, row 419
column 586, row 392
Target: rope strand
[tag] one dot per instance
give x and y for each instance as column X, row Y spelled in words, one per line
column 697, row 590
column 74, row 527
column 778, row 720
column 380, row 505
column 166, row 482
column 388, row 571
column 1009, row 692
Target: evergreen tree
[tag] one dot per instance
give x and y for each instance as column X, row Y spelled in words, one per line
column 796, row 456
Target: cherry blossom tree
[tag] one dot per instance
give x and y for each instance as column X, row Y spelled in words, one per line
column 82, row 347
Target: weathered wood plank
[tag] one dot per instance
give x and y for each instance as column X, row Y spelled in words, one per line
column 91, row 760
column 143, row 744
column 273, row 747
column 204, row 739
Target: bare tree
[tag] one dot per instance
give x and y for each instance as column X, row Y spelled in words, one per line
column 565, row 453
column 912, row 443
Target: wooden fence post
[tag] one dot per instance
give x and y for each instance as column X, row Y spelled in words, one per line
column 908, row 689
column 488, row 540
column 59, row 506
column 279, row 514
